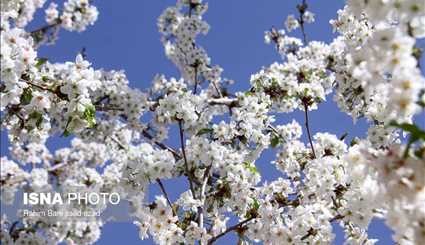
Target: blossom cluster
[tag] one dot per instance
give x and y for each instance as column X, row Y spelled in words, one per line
column 306, row 75
column 379, row 59
column 192, row 128
column 303, row 80
column 400, row 184
column 179, row 26
column 76, row 15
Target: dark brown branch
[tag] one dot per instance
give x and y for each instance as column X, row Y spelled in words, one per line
column 231, row 228
column 161, row 186
column 47, row 33
column 308, row 128
column 45, row 28
column 301, row 9
column 195, row 79
column 219, row 93
column 161, row 145
column 120, row 145
column 56, row 92
column 310, row 232
column 337, row 217
column 40, row 87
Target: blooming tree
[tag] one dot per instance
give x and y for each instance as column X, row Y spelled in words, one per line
column 120, row 133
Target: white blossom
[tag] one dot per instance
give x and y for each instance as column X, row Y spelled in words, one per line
column 194, row 127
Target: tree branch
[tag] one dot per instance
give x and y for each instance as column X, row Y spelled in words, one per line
column 308, row 128
column 42, row 35
column 231, row 102
column 186, row 164
column 195, row 80
column 202, row 196
column 161, row 186
column 301, row 9
column 161, row 145
column 231, row 228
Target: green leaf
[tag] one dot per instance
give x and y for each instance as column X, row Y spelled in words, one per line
column 89, row 115
column 37, row 116
column 415, row 132
column 45, row 78
column 256, row 204
column 26, row 96
column 419, row 153
column 354, row 141
column 417, row 52
column 253, row 209
column 37, row 36
column 66, row 133
column 275, row 141
column 40, row 62
column 251, row 167
column 204, row 131
column 322, row 74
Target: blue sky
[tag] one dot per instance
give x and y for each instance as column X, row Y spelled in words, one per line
column 126, row 37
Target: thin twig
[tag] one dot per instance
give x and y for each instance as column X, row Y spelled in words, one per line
column 186, row 164
column 161, row 145
column 223, row 101
column 41, row 35
column 231, row 228
column 310, row 232
column 308, row 129
column 57, row 166
column 217, row 89
column 302, row 8
column 303, row 30
column 40, row 87
column 106, row 107
column 195, row 80
column 161, row 186
column 337, row 217
column 202, row 196
column 190, row 9
column 57, row 92
column 120, row 145
column 45, row 28
column 274, row 129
